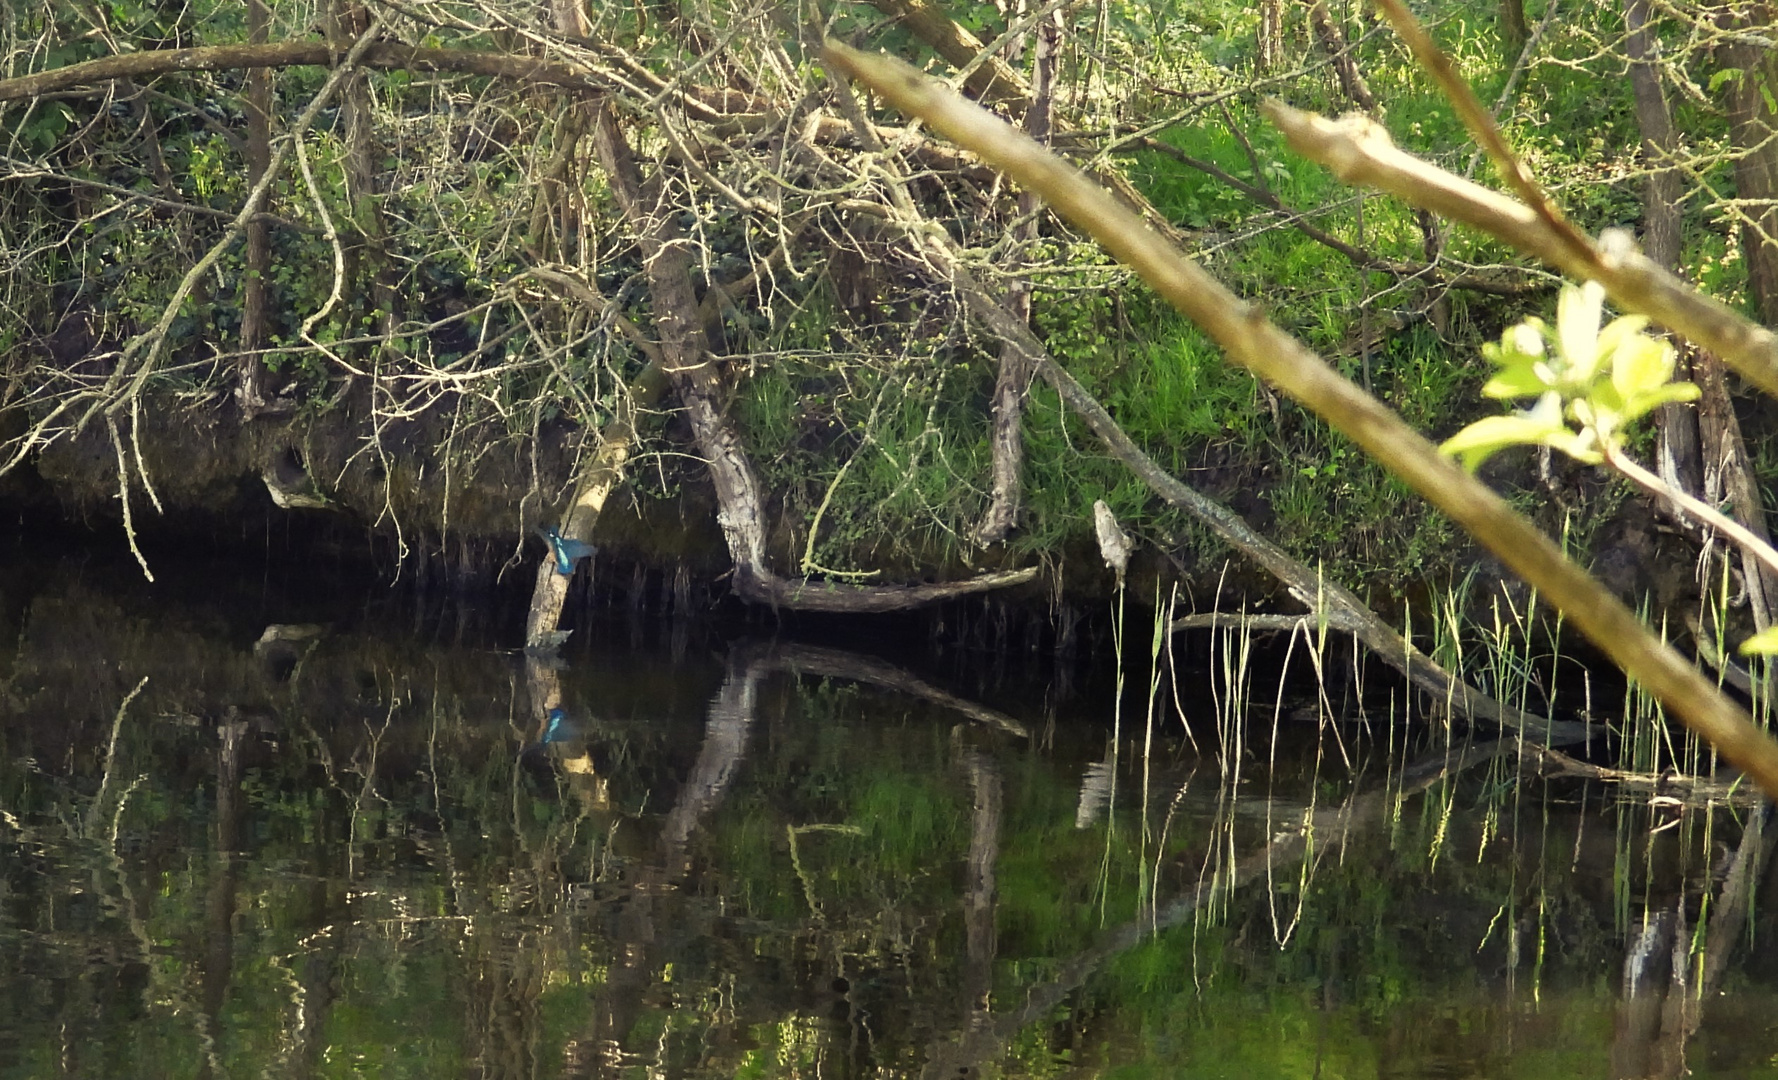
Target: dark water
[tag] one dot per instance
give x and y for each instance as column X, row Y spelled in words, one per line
column 246, row 831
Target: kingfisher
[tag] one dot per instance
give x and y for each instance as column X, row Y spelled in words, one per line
column 567, row 551
column 560, row 729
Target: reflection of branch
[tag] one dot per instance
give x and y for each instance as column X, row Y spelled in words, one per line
column 1661, row 1009
column 110, row 759
column 838, row 663
column 1667, row 787
column 1324, row 828
column 725, row 737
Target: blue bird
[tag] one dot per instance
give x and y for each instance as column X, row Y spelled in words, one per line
column 560, row 729
column 567, row 552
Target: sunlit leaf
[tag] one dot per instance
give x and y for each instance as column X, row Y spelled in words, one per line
column 1639, row 364
column 1523, row 378
column 1539, row 426
column 1764, row 643
column 1642, row 404
column 1577, row 328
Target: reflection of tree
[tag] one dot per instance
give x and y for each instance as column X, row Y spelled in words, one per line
column 1322, row 830
column 1662, row 1008
column 599, row 1050
column 219, row 935
column 979, row 891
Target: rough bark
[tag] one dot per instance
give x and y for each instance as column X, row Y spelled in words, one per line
column 1679, row 462
column 1014, row 376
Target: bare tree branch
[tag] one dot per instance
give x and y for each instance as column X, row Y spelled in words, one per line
column 1258, row 345
column 1361, row 152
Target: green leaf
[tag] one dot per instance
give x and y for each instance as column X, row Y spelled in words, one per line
column 1634, row 408
column 1724, row 76
column 1488, row 436
column 1640, row 364
column 1764, row 643
column 1523, row 377
column 1577, row 328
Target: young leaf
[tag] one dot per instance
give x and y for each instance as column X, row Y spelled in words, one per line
column 1577, row 329
column 1764, row 643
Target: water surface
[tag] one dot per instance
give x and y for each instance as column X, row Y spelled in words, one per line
column 248, row 835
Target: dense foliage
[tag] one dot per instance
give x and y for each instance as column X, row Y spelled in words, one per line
column 402, row 312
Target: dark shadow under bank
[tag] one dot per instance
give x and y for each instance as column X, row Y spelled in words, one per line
column 272, row 566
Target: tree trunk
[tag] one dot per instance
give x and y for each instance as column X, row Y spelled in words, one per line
column 1333, row 39
column 1014, row 378
column 1752, row 115
column 1679, row 463
column 692, row 372
column 254, row 377
column 368, row 268
column 1514, row 30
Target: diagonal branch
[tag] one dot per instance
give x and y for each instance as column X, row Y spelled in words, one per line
column 1255, row 343
column 1359, row 151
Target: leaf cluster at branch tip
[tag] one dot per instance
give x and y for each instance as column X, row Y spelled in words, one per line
column 1590, row 383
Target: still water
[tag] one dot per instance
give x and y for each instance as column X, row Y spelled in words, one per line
column 243, row 834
